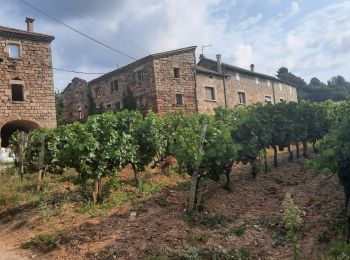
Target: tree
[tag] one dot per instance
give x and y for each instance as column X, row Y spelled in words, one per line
column 59, row 107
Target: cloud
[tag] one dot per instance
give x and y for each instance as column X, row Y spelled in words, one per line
column 316, row 43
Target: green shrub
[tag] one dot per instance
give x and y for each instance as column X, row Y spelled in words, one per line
column 339, row 250
column 45, row 242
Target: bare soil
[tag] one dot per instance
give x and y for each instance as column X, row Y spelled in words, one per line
column 162, row 226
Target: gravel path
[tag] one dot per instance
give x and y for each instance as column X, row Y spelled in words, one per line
column 7, row 253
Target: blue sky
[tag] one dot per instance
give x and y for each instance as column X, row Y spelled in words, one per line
column 311, row 38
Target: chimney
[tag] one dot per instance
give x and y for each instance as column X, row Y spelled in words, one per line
column 218, row 61
column 252, row 67
column 29, row 22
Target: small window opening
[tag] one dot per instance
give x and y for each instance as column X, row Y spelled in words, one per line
column 209, row 93
column 241, row 98
column 114, row 86
column 17, row 93
column 14, row 52
column 268, row 99
column 179, row 100
column 176, row 73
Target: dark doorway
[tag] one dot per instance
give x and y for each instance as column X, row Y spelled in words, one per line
column 18, row 125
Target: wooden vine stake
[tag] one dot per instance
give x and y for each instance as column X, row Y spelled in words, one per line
column 41, row 167
column 97, row 193
column 21, row 147
column 194, row 181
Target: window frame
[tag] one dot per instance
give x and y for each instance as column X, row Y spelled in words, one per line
column 271, row 100
column 21, row 90
column 213, row 93
column 9, row 50
column 239, row 97
column 257, row 80
column 178, row 71
column 238, row 76
column 114, row 85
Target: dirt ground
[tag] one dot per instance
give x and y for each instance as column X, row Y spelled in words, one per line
column 161, row 225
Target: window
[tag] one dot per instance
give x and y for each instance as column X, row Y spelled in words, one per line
column 257, row 80
column 140, row 102
column 179, row 100
column 280, row 86
column 117, row 106
column 138, row 75
column 114, row 86
column 17, row 93
column 237, row 76
column 80, row 112
column 176, row 73
column 282, row 99
column 14, row 52
column 269, row 83
column 209, row 93
column 290, row 90
column 108, row 105
column 268, row 99
column 241, row 98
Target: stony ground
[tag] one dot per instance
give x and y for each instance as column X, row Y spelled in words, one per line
column 248, row 219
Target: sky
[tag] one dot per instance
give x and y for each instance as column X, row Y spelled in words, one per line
column 309, row 37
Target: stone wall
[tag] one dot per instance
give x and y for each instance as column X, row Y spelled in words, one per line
column 33, row 70
column 106, row 95
column 204, row 80
column 76, row 101
column 168, row 86
column 255, row 87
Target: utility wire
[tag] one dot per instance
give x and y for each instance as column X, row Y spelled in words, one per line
column 77, row 31
column 79, row 72
column 99, row 26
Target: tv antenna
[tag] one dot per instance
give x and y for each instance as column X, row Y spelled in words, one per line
column 205, row 46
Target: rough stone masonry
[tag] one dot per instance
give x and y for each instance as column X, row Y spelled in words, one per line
column 27, row 98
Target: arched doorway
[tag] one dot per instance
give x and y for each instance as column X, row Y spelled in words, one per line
column 17, row 125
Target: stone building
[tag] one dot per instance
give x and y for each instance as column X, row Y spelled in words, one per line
column 27, row 98
column 171, row 81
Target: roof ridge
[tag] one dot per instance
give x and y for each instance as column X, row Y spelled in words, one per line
column 246, row 70
column 154, row 55
column 23, row 33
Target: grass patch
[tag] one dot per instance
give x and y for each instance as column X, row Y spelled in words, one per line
column 339, row 250
column 211, row 253
column 195, row 240
column 45, row 242
column 237, row 231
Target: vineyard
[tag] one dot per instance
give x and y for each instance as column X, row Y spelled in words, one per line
column 206, row 148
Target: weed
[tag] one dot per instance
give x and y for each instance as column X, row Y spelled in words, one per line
column 194, row 240
column 280, row 237
column 45, row 242
column 238, row 231
column 323, row 237
column 339, row 250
